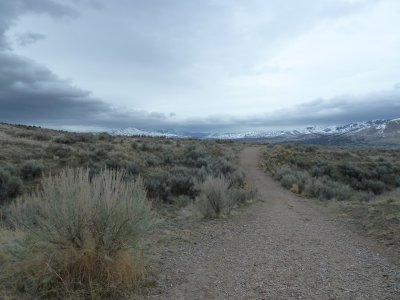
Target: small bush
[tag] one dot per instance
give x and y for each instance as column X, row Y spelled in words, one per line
column 237, row 178
column 59, row 151
column 157, row 186
column 10, row 185
column 79, row 234
column 42, row 136
column 325, row 189
column 375, row 186
column 214, row 200
column 241, row 196
column 130, row 167
column 31, row 169
column 290, row 177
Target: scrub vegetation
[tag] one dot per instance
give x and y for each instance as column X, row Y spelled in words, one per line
column 77, row 208
column 364, row 183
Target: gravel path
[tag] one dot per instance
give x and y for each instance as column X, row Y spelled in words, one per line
column 281, row 248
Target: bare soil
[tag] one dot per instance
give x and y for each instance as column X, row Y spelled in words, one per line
column 283, row 247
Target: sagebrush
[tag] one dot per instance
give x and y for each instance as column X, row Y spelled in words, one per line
column 79, row 234
column 214, row 199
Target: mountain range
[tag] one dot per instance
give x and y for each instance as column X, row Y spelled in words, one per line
column 375, row 132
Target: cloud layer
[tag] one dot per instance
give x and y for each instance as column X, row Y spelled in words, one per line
column 31, row 93
column 213, row 58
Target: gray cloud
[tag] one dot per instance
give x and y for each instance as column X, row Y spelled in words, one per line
column 28, row 38
column 338, row 110
column 31, row 93
column 10, row 10
column 165, row 39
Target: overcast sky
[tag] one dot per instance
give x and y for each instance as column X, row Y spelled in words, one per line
column 202, row 65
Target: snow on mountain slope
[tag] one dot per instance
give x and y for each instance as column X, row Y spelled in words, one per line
column 138, row 132
column 367, row 130
column 307, row 132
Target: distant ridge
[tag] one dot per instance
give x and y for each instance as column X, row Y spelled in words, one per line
column 309, row 131
column 373, row 131
column 138, row 132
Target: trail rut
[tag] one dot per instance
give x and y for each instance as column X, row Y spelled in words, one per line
column 281, row 248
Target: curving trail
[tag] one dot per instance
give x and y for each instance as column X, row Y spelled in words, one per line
column 281, row 248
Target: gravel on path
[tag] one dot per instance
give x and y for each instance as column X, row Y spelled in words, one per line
column 283, row 247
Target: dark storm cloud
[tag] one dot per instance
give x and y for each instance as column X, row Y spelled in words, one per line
column 31, row 93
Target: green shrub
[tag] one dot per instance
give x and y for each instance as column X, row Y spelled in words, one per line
column 131, row 168
column 152, row 160
column 236, row 178
column 214, row 199
column 241, row 196
column 375, row 186
column 10, row 185
column 157, row 186
column 42, row 136
column 79, row 234
column 289, row 177
column 325, row 189
column 178, row 181
column 223, row 167
column 59, row 151
column 31, row 169
column 181, row 180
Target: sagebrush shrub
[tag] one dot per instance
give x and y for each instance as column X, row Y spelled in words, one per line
column 325, row 188
column 10, row 185
column 42, row 136
column 289, row 177
column 79, row 232
column 31, row 169
column 214, row 199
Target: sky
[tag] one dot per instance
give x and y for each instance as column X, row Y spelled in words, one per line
column 199, row 65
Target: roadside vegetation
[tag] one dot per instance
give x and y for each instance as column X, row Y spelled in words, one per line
column 76, row 208
column 363, row 183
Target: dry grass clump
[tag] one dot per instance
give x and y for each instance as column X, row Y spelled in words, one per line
column 80, row 235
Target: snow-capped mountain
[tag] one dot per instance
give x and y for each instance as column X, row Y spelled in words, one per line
column 309, row 131
column 138, row 132
column 375, row 131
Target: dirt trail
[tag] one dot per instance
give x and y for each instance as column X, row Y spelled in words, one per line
column 281, row 248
